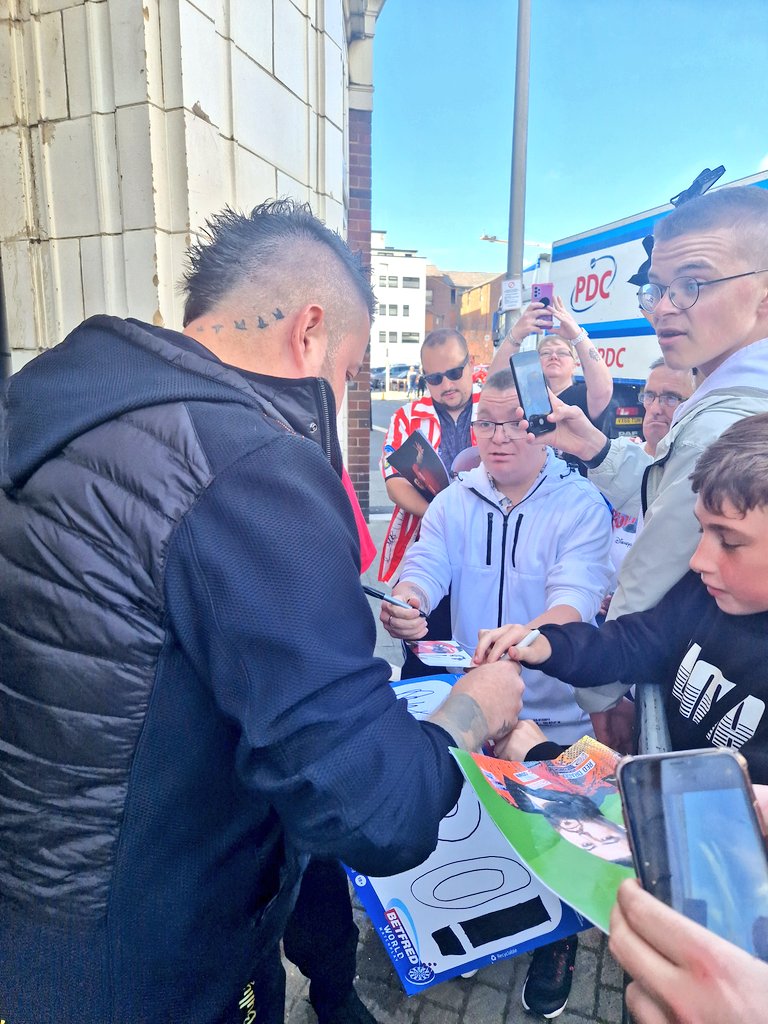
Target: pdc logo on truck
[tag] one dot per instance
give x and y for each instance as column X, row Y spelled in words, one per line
column 595, row 285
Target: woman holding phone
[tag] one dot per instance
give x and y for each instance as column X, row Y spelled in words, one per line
column 561, row 351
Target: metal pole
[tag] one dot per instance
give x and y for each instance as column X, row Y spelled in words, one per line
column 519, row 150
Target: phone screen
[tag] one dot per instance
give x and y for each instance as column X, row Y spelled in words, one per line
column 697, row 844
column 532, row 390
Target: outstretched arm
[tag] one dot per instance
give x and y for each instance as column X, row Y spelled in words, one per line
column 597, row 376
column 533, row 320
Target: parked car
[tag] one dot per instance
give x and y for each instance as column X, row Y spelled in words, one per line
column 398, row 376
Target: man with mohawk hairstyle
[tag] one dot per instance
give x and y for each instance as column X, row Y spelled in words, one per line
column 182, row 722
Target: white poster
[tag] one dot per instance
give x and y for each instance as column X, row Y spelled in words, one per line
column 472, row 902
column 511, row 294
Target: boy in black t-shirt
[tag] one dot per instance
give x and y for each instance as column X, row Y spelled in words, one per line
column 707, row 639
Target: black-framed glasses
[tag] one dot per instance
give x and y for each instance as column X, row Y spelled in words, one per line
column 453, row 374
column 668, row 398
column 511, row 429
column 683, row 291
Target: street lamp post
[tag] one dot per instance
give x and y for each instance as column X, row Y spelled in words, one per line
column 526, row 244
column 519, row 152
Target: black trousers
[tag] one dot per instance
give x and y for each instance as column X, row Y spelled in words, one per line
column 321, row 935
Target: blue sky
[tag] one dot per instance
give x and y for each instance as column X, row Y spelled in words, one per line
column 629, row 100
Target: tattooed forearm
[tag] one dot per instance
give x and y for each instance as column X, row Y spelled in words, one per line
column 594, row 355
column 463, row 718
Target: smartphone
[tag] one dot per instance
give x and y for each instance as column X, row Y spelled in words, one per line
column 532, row 391
column 544, row 292
column 697, row 840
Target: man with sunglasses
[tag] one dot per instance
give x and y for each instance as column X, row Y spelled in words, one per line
column 707, row 299
column 445, row 418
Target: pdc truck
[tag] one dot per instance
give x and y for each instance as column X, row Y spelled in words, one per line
column 591, row 272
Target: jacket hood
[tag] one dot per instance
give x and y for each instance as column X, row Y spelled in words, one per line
column 108, row 367
column 552, row 475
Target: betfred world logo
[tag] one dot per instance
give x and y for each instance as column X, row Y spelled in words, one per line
column 402, row 935
column 595, row 285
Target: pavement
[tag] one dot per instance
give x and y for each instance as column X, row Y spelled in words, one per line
column 492, row 996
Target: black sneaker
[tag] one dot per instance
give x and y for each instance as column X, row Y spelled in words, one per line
column 350, row 1011
column 548, row 981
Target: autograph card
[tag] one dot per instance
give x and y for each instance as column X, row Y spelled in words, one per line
column 437, row 653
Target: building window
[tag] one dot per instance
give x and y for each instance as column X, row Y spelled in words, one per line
column 392, row 282
column 382, row 280
column 393, row 310
column 453, row 296
column 411, row 336
column 382, row 337
column 382, row 309
column 393, row 337
column 406, row 310
column 410, row 282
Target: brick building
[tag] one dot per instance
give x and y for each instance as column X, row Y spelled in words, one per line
column 475, row 321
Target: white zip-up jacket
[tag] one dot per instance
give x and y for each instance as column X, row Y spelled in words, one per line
column 551, row 548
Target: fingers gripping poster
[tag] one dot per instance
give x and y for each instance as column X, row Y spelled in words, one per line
column 472, row 902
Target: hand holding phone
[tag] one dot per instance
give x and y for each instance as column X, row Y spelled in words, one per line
column 532, row 392
column 697, row 842
column 680, row 970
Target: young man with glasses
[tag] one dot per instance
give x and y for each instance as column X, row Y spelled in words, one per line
column 445, row 418
column 499, row 539
column 707, row 299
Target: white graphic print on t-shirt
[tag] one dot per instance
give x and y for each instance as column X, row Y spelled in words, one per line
column 699, row 686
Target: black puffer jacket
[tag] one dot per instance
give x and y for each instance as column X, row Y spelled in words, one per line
column 188, row 699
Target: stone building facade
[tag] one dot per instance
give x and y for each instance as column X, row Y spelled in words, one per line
column 125, row 123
